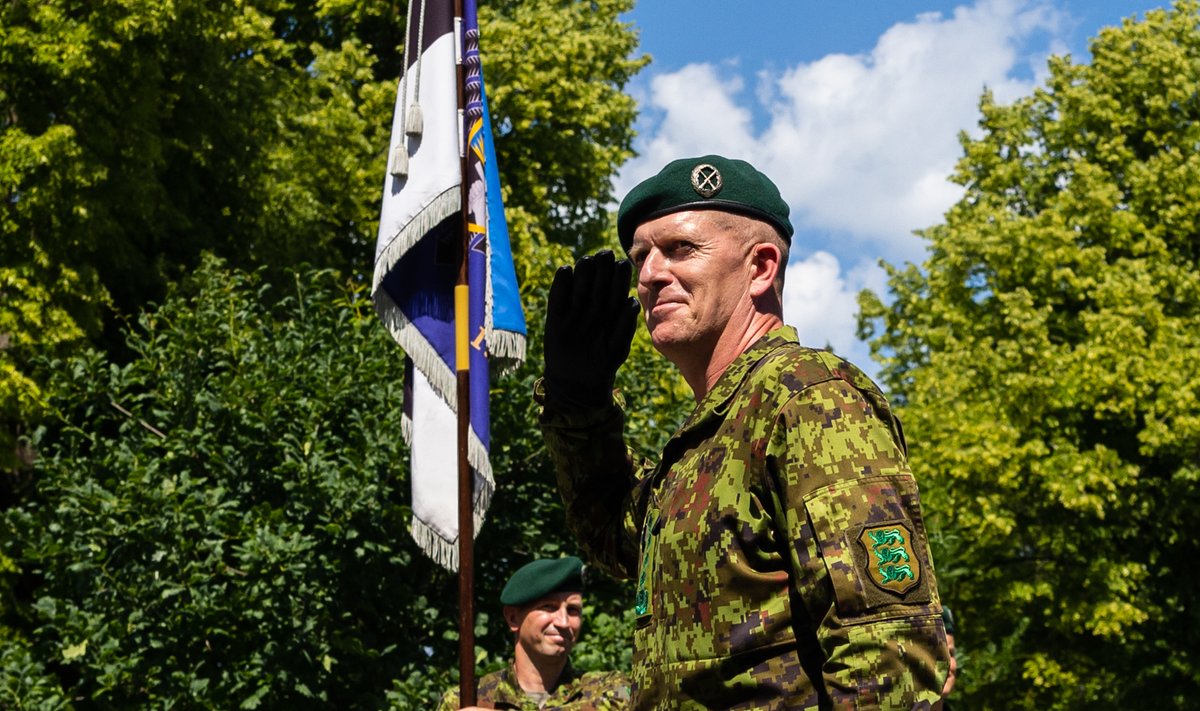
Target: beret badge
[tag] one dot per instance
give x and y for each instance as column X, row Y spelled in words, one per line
column 706, row 180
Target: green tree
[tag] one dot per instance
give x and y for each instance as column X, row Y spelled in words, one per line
column 220, row 520
column 136, row 136
column 29, row 323
column 1044, row 356
column 563, row 121
column 223, row 520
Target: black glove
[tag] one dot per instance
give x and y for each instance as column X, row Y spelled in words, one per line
column 590, row 319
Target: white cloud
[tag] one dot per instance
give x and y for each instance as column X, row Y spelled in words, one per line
column 700, row 114
column 817, row 300
column 821, row 302
column 860, row 145
column 864, row 144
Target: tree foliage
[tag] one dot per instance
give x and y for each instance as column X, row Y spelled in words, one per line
column 137, row 136
column 224, row 519
column 221, row 519
column 256, row 552
column 562, row 119
column 29, row 324
column 1045, row 358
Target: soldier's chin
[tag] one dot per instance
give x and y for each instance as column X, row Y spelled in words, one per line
column 671, row 345
column 663, row 334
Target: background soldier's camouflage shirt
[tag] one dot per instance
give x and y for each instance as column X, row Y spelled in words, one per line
column 778, row 546
column 603, row 691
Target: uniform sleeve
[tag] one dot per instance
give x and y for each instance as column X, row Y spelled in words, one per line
column 859, row 551
column 449, row 701
column 595, row 476
column 603, row 691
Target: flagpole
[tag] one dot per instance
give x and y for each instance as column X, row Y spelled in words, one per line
column 422, row 299
column 466, row 540
column 466, row 479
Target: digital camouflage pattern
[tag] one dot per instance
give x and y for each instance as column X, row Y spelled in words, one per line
column 603, row 691
column 754, row 586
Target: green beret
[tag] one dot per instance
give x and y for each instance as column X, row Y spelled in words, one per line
column 706, row 183
column 948, row 619
column 542, row 577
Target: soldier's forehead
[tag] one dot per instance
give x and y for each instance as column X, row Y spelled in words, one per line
column 555, row 598
column 696, row 224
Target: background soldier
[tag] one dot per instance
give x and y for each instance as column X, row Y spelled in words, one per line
column 948, row 620
column 778, row 545
column 543, row 606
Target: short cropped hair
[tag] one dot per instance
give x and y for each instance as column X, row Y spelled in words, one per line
column 754, row 231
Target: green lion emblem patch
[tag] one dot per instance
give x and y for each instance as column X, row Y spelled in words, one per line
column 891, row 562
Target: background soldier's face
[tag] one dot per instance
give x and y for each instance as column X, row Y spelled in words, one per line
column 949, row 686
column 548, row 627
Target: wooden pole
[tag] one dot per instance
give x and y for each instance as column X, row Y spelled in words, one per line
column 466, row 480
column 466, row 552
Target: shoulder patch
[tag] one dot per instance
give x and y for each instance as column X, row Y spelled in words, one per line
column 891, row 562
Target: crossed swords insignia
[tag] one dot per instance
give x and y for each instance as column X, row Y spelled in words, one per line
column 706, row 180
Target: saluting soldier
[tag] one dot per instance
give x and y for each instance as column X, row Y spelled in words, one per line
column 778, row 545
column 543, row 607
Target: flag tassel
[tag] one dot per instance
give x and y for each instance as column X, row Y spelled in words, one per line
column 414, row 123
column 399, row 160
column 508, row 348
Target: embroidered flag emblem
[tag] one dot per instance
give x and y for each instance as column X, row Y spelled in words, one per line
column 891, row 562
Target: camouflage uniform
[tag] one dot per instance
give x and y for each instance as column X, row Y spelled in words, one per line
column 778, row 546
column 594, row 690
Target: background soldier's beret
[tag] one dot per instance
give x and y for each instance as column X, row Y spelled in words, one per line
column 706, row 183
column 948, row 619
column 542, row 577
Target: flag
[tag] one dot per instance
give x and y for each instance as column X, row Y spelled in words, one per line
column 416, row 267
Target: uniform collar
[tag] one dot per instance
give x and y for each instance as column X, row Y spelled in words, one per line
column 719, row 396
column 511, row 692
column 716, row 402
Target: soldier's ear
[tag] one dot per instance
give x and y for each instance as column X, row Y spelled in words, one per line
column 512, row 616
column 765, row 259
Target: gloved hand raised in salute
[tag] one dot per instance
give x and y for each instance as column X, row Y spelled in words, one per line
column 590, row 318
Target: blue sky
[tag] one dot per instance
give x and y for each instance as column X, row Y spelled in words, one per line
column 852, row 106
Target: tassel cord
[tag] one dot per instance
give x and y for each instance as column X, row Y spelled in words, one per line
column 413, row 118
